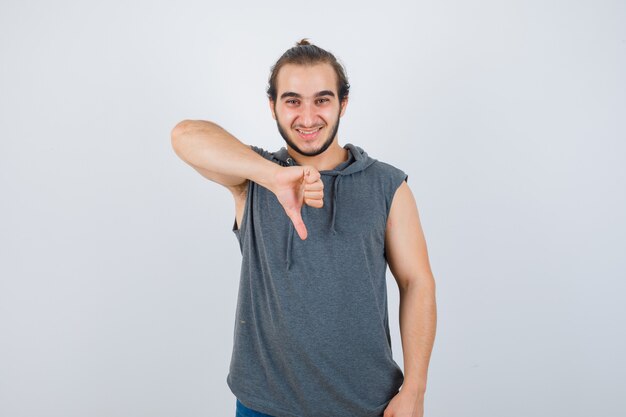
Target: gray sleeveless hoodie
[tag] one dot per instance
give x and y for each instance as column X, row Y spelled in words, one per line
column 311, row 334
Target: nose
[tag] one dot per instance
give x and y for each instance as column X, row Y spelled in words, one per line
column 308, row 116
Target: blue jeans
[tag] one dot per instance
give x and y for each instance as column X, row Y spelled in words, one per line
column 243, row 411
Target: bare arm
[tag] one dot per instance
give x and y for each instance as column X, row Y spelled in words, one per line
column 222, row 158
column 407, row 257
column 219, row 156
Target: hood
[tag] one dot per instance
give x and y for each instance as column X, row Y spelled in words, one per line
column 358, row 160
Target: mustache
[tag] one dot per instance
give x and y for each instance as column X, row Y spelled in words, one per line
column 308, row 127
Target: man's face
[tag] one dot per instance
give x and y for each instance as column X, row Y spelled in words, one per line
column 307, row 107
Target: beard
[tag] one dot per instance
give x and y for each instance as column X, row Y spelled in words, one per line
column 327, row 143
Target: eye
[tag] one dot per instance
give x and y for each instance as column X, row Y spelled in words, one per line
column 292, row 101
column 323, row 100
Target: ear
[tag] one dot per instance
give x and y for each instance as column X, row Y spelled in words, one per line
column 271, row 102
column 344, row 104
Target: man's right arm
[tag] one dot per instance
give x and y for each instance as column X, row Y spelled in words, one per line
column 219, row 156
column 222, row 158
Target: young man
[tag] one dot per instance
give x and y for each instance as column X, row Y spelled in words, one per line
column 317, row 224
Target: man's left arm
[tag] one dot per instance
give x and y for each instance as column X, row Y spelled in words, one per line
column 407, row 256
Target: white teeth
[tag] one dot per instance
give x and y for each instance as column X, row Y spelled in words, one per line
column 308, row 132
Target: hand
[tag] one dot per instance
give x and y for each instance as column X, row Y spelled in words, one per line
column 296, row 186
column 405, row 404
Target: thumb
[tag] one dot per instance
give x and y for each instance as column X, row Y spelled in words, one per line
column 311, row 175
column 298, row 223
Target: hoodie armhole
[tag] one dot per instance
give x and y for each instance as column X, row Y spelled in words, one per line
column 241, row 231
column 398, row 178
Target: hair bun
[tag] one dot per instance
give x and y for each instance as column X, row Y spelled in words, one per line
column 304, row 41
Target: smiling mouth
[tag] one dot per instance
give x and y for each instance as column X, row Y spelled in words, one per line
column 308, row 133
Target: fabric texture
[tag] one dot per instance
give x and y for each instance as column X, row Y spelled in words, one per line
column 311, row 323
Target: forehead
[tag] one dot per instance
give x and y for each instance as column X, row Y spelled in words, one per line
column 306, row 79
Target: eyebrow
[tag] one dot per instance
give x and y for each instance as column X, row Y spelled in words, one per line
column 296, row 95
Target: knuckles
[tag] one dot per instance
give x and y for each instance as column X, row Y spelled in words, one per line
column 315, row 203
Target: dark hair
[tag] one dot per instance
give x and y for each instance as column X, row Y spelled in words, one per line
column 306, row 54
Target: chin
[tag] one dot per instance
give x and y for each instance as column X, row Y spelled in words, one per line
column 312, row 147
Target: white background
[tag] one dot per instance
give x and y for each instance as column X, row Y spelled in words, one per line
column 118, row 266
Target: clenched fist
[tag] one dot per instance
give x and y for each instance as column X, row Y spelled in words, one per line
column 295, row 186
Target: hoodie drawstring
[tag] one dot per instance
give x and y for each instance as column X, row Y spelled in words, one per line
column 335, row 187
column 289, row 244
column 359, row 161
column 332, row 223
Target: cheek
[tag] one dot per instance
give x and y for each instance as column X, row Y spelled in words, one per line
column 286, row 117
column 330, row 115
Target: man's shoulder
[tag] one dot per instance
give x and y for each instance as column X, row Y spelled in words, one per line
column 270, row 156
column 261, row 151
column 385, row 166
column 387, row 173
column 385, row 169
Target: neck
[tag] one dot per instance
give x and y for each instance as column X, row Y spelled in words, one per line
column 325, row 161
